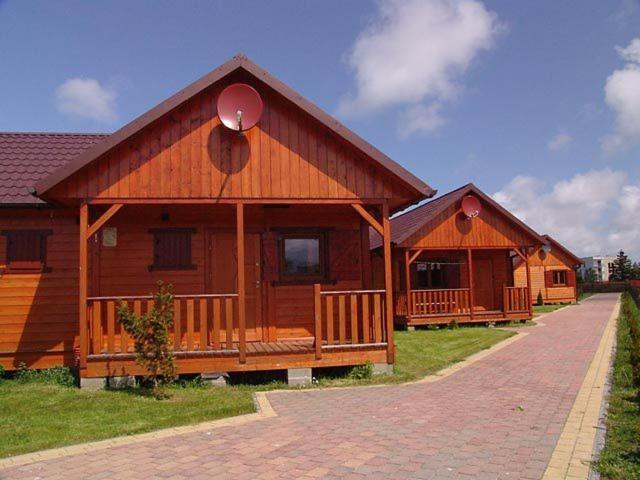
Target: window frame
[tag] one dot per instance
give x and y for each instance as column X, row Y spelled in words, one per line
column 303, row 278
column 189, row 265
column 15, row 266
column 562, row 274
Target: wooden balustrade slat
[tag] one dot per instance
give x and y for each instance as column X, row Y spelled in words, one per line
column 228, row 312
column 111, row 327
column 124, row 337
column 204, row 327
column 330, row 320
column 354, row 319
column 177, row 324
column 377, row 318
column 215, row 336
column 317, row 307
column 342, row 324
column 190, row 324
column 97, row 327
column 365, row 318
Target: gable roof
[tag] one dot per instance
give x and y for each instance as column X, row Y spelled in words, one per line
column 408, row 223
column 26, row 158
column 563, row 249
column 237, row 62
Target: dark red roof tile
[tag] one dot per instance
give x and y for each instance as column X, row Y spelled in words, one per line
column 26, row 158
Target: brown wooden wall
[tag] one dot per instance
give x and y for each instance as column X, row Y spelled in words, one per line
column 188, row 154
column 451, row 229
column 39, row 311
column 541, row 262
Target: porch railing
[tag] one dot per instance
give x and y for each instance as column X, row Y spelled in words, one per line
column 451, row 301
column 516, row 299
column 201, row 323
column 349, row 318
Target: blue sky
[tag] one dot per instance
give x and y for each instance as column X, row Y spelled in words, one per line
column 514, row 101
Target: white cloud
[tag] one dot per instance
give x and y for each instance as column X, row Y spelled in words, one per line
column 560, row 141
column 420, row 118
column 630, row 53
column 86, row 97
column 591, row 213
column 622, row 95
column 413, row 54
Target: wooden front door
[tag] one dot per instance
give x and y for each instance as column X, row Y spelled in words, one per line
column 222, row 276
column 483, row 284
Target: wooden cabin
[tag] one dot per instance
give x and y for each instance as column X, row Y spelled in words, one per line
column 553, row 273
column 448, row 266
column 264, row 237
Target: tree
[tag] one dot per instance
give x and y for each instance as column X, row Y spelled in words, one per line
column 635, row 270
column 589, row 276
column 150, row 333
column 621, row 268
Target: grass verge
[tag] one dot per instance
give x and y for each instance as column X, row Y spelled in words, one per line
column 620, row 458
column 37, row 415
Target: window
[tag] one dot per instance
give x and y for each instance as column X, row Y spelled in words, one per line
column 560, row 277
column 26, row 250
column 302, row 257
column 172, row 249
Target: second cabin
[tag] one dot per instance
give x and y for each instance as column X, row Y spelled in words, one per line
column 454, row 258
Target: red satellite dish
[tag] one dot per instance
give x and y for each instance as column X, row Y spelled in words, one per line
column 471, row 206
column 239, row 107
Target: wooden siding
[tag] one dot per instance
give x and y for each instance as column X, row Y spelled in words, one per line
column 451, row 229
column 541, row 262
column 187, row 154
column 39, row 311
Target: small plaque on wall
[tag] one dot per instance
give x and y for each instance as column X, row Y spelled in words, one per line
column 109, row 237
column 421, row 266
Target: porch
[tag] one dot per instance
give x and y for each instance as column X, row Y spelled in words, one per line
column 466, row 286
column 246, row 314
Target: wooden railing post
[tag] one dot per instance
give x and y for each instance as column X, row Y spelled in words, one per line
column 470, row 278
column 505, row 300
column 407, row 282
column 317, row 306
column 528, row 291
column 242, row 334
column 83, row 284
column 388, row 286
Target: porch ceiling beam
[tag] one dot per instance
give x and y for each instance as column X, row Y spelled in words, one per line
column 104, row 218
column 520, row 254
column 417, row 253
column 368, row 217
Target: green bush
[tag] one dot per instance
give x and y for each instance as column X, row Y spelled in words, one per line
column 150, row 333
column 453, row 325
column 539, row 299
column 2, row 371
column 361, row 372
column 62, row 376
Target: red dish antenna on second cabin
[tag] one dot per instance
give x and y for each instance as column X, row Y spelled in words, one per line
column 471, row 206
column 239, row 107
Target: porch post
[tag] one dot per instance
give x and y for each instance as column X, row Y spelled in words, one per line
column 386, row 241
column 407, row 282
column 83, row 284
column 242, row 340
column 470, row 279
column 529, row 292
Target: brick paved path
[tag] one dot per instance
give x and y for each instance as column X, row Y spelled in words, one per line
column 498, row 418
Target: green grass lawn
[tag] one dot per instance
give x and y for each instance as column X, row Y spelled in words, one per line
column 540, row 309
column 620, row 458
column 36, row 416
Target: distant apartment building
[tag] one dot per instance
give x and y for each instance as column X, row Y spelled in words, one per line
column 602, row 266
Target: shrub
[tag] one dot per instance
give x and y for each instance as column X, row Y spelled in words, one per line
column 2, row 371
column 150, row 333
column 453, row 325
column 539, row 299
column 62, row 376
column 360, row 372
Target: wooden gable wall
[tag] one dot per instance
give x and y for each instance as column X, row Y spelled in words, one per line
column 187, row 154
column 451, row 229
